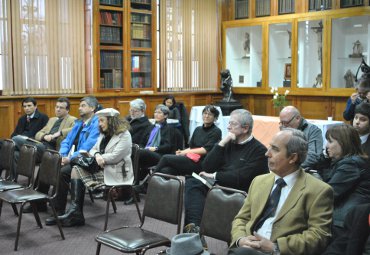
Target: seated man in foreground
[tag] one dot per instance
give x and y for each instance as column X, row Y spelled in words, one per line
column 294, row 218
column 290, row 117
column 233, row 162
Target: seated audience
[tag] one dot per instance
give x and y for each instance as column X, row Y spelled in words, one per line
column 361, row 123
column 170, row 102
column 355, row 234
column 233, row 162
column 137, row 119
column 157, row 140
column 190, row 160
column 286, row 211
column 346, row 170
column 28, row 125
column 82, row 137
column 356, row 98
column 112, row 152
column 290, row 117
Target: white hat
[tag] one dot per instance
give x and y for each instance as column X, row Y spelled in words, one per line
column 107, row 112
column 186, row 244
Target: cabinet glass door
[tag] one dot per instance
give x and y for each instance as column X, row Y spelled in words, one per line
column 280, row 54
column 350, row 44
column 141, row 69
column 244, row 55
column 310, row 63
column 111, row 69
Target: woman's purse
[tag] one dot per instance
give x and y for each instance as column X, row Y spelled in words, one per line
column 87, row 163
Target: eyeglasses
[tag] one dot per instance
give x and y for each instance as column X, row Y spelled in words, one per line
column 134, row 110
column 158, row 112
column 286, row 123
column 233, row 124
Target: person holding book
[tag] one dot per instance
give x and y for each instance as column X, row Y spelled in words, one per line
column 82, row 137
column 189, row 160
column 233, row 162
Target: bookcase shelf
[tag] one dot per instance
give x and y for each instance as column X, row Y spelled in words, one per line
column 125, row 56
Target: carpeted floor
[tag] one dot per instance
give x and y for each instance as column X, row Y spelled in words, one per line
column 79, row 240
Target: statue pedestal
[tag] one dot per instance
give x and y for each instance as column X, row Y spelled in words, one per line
column 228, row 107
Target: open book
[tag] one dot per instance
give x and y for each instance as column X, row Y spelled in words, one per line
column 209, row 182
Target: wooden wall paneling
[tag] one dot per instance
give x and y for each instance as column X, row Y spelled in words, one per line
column 198, row 100
column 7, row 115
column 151, row 103
column 247, row 102
column 123, row 106
column 263, row 105
column 338, row 106
column 314, row 107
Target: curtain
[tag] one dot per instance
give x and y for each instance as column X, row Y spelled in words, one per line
column 189, row 42
column 47, row 47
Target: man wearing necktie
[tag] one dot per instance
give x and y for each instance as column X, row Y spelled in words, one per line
column 287, row 211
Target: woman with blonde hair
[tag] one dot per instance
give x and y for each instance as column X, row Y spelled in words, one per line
column 112, row 153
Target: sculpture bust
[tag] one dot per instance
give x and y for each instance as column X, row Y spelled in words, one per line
column 226, row 85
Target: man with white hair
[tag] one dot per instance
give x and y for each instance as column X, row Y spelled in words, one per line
column 137, row 119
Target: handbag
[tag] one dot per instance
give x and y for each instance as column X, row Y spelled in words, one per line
column 193, row 156
column 86, row 163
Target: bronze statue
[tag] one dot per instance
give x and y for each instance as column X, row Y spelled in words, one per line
column 226, row 85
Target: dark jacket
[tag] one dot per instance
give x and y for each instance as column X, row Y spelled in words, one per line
column 38, row 121
column 237, row 164
column 167, row 146
column 366, row 148
column 350, row 180
column 313, row 135
column 138, row 127
column 349, row 112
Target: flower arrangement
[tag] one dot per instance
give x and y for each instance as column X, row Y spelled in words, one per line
column 279, row 101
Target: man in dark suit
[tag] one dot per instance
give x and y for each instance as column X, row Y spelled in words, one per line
column 286, row 211
column 361, row 123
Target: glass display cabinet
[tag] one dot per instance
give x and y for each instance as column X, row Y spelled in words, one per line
column 349, row 45
column 244, row 55
column 280, row 55
column 310, row 57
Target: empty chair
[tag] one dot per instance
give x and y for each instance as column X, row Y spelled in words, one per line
column 6, row 157
column 163, row 202
column 221, row 206
column 49, row 172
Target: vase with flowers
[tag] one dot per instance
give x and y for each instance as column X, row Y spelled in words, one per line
column 279, row 101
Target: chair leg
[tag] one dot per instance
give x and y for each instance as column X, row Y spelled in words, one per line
column 57, row 219
column 15, row 210
column 133, row 193
column 98, row 249
column 35, row 213
column 1, row 206
column 18, row 227
column 91, row 196
column 113, row 204
column 107, row 210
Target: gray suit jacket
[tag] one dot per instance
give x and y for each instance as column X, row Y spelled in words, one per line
column 303, row 224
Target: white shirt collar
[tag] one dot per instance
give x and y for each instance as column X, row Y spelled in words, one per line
column 364, row 138
column 290, row 179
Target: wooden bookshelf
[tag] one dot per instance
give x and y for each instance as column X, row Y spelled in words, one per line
column 124, row 45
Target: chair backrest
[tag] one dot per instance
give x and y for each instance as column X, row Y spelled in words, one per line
column 164, row 199
column 49, row 170
column 221, row 206
column 135, row 162
column 184, row 120
column 27, row 161
column 7, row 156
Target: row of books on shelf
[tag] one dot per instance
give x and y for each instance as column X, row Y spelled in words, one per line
column 111, row 18
column 141, row 63
column 262, row 8
column 141, row 82
column 241, row 9
column 111, row 2
column 141, row 5
column 144, row 18
column 141, row 1
column 140, row 31
column 286, row 6
column 112, row 79
column 349, row 3
column 320, row 4
column 110, row 35
column 141, row 43
column 111, row 60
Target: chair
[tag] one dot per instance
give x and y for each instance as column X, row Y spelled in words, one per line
column 6, row 157
column 26, row 167
column 163, row 202
column 221, row 206
column 110, row 197
column 49, row 172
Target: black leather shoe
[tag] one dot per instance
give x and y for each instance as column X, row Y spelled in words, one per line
column 51, row 220
column 131, row 201
column 41, row 207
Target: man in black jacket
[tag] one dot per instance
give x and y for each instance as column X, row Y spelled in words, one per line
column 361, row 123
column 233, row 162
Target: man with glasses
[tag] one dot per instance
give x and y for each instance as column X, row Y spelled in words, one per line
column 290, row 117
column 233, row 162
column 138, row 121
